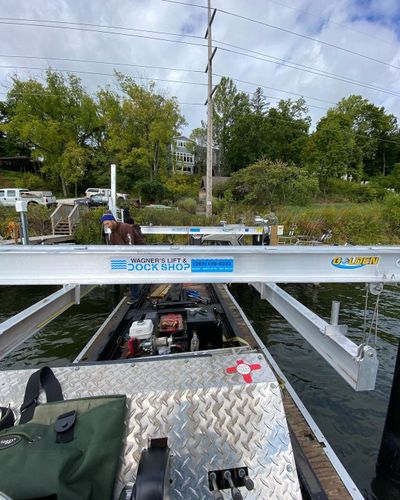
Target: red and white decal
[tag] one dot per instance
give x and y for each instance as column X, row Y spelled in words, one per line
column 244, row 369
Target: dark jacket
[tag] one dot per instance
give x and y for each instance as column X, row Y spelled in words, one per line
column 126, row 234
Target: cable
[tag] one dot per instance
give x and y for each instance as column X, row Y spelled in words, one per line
column 290, row 32
column 67, row 59
column 90, row 30
column 281, row 61
column 314, row 72
column 74, row 23
column 308, row 13
column 46, row 94
column 162, row 68
column 101, row 74
column 277, row 90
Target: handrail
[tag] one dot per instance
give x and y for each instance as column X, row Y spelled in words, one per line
column 55, row 218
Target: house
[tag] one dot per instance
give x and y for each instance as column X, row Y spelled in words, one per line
column 183, row 155
column 190, row 157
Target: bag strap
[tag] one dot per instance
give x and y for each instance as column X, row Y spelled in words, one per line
column 6, row 418
column 42, row 379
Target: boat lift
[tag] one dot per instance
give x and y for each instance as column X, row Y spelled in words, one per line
column 78, row 268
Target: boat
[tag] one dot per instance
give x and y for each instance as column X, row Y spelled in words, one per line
column 199, row 382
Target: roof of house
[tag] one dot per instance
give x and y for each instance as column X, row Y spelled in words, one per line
column 182, row 138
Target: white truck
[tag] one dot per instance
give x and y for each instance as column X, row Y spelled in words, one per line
column 8, row 197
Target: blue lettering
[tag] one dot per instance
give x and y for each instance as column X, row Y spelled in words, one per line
column 131, row 267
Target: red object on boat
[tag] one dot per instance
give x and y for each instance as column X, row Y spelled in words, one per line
column 133, row 346
column 171, row 323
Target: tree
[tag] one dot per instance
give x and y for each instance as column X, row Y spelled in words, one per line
column 278, row 134
column 198, row 146
column 258, row 102
column 228, row 105
column 10, row 146
column 56, row 120
column 138, row 129
column 355, row 138
column 330, row 151
column 373, row 132
column 267, row 183
column 286, row 130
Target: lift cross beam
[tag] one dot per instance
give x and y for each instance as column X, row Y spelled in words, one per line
column 172, row 264
column 235, row 229
column 198, row 264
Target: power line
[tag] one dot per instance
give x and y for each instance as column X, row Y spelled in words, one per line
column 278, row 90
column 284, row 30
column 90, row 61
column 92, row 30
column 93, row 25
column 279, row 28
column 46, row 94
column 301, row 67
column 281, row 61
column 61, row 70
column 329, row 21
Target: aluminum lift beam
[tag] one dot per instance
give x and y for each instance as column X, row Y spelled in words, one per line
column 16, row 330
column 358, row 365
column 198, row 264
column 236, row 229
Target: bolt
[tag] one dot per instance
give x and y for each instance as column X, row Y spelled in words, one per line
column 289, row 468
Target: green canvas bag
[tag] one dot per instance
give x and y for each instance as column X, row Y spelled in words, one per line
column 62, row 450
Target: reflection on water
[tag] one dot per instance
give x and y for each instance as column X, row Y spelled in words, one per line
column 352, row 422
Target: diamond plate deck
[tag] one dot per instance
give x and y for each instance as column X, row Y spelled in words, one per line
column 214, row 419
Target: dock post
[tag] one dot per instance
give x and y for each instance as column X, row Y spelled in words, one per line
column 22, row 207
column 388, row 463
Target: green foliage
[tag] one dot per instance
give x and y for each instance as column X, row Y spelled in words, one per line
column 181, row 186
column 32, row 182
column 89, row 230
column 359, row 224
column 229, row 105
column 218, row 205
column 355, row 138
column 391, row 212
column 267, row 183
column 56, row 119
column 188, row 204
column 339, row 189
column 151, row 191
column 137, row 130
column 39, row 219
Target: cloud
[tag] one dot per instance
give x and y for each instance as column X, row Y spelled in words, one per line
column 368, row 27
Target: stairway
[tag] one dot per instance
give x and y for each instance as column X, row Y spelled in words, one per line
column 62, row 227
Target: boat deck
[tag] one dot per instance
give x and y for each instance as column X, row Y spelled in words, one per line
column 213, row 418
column 300, row 430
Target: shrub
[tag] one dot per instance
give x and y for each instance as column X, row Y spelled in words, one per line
column 188, row 204
column 89, row 230
column 266, row 183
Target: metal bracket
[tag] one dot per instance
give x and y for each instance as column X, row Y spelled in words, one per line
column 357, row 365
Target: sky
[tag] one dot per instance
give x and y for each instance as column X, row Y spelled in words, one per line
column 284, row 46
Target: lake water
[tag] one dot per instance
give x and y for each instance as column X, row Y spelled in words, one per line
column 351, row 421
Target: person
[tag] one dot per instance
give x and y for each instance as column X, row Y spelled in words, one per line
column 131, row 221
column 121, row 233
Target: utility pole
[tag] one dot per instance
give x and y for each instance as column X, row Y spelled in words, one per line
column 209, row 115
